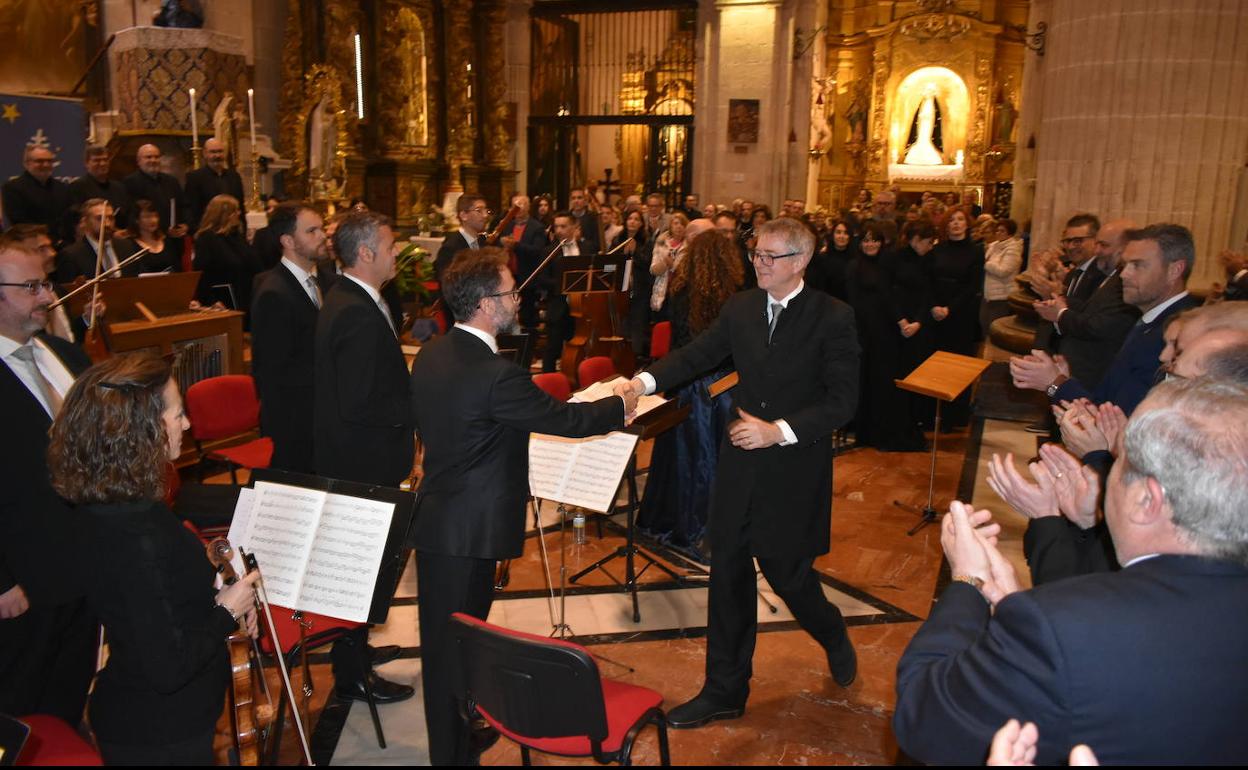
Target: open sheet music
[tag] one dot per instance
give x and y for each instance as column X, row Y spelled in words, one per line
column 584, row 472
column 321, row 552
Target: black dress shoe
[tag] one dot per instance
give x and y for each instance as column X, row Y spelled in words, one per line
column 384, row 691
column 481, row 736
column 383, row 654
column 698, row 712
column 843, row 662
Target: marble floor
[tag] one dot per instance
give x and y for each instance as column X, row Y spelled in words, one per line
column 883, row 580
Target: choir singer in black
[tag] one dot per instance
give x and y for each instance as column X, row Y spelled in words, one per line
column 474, row 411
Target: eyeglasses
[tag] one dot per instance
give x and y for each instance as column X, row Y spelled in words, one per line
column 479, row 210
column 1076, row 240
column 514, row 294
column 33, row 287
column 767, row 260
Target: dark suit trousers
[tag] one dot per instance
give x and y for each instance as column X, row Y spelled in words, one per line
column 447, row 584
column 732, row 622
column 47, row 661
column 559, row 328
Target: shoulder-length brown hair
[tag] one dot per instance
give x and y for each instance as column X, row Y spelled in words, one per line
column 218, row 216
column 108, row 443
column 712, row 272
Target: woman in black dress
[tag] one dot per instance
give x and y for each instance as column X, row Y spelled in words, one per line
column 146, row 577
column 636, row 240
column 956, row 269
column 164, row 254
column 884, row 418
column 911, row 302
column 827, row 271
column 224, row 257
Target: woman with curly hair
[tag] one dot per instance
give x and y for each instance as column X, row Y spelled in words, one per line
column 682, row 468
column 145, row 576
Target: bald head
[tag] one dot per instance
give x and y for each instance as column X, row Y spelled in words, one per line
column 214, row 154
column 148, row 159
column 1110, row 241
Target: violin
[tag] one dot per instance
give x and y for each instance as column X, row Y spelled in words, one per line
column 251, row 719
column 600, row 329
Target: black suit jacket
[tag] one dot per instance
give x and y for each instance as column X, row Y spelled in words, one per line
column 808, row 376
column 26, row 201
column 451, row 245
column 1046, row 337
column 1133, row 370
column 283, row 336
column 531, row 249
column 475, row 410
column 84, row 188
column 79, row 259
column 1092, row 333
column 591, row 231
column 363, row 412
column 1057, row 548
column 203, row 184
column 1145, row 665
column 36, row 526
column 159, row 189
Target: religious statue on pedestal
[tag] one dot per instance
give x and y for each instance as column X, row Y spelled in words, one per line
column 923, row 150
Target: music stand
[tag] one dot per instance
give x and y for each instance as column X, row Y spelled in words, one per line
column 652, row 423
column 943, row 376
column 593, row 273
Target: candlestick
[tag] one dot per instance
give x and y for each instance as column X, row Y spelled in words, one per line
column 194, row 122
column 251, row 115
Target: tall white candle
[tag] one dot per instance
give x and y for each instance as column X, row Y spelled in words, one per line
column 251, row 114
column 194, row 122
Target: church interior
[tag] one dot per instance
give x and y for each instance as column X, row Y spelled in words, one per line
column 1003, row 132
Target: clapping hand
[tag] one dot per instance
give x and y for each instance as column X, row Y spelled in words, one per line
column 1038, row 370
column 1080, row 432
column 1112, row 422
column 940, row 312
column 973, row 551
column 1076, row 487
column 1014, row 745
column 1032, row 499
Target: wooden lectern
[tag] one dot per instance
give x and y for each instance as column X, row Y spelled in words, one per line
column 151, row 312
column 943, row 376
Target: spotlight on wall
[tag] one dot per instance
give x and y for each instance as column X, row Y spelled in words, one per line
column 359, row 78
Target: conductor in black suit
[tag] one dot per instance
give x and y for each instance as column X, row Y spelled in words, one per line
column 215, row 178
column 475, row 410
column 796, row 351
column 284, row 309
column 361, row 412
column 47, row 639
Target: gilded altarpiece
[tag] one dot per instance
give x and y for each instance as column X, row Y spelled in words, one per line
column 978, row 66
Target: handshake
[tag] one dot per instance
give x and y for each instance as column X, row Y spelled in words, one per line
column 630, row 391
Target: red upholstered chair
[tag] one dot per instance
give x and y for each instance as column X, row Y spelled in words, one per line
column 661, row 340
column 547, row 694
column 593, row 369
column 225, row 407
column 554, row 384
column 319, row 631
column 52, row 742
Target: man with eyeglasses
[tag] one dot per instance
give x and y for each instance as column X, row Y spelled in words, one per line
column 796, row 351
column 474, row 410
column 46, row 636
column 36, row 196
column 474, row 214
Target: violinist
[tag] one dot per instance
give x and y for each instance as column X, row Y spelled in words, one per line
column 94, row 226
column 158, row 699
column 559, row 323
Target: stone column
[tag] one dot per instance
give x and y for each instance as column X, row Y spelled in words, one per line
column 1145, row 115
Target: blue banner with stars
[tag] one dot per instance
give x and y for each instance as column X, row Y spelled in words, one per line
column 58, row 124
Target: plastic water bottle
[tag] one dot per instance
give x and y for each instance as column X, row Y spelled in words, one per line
column 578, row 528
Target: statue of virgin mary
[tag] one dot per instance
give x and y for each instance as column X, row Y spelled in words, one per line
column 922, row 152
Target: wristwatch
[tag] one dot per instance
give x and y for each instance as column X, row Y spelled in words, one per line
column 1051, row 391
column 975, row 582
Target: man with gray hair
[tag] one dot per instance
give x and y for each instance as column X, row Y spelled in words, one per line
column 37, row 196
column 1121, row 661
column 796, row 351
column 150, row 183
column 213, row 179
